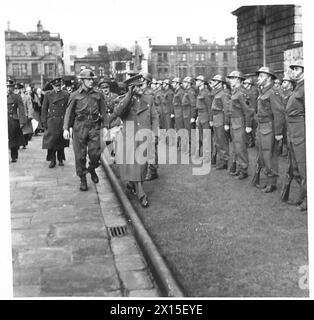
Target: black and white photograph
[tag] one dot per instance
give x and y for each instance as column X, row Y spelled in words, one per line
column 156, row 149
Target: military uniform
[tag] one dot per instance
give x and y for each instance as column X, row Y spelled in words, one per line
column 270, row 117
column 219, row 116
column 251, row 99
column 240, row 117
column 295, row 117
column 203, row 105
column 177, row 108
column 85, row 111
column 52, row 116
column 158, row 104
column 29, row 114
column 16, row 120
column 167, row 107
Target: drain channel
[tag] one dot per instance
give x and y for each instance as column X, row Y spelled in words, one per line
column 118, row 231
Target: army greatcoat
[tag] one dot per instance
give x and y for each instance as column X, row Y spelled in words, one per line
column 136, row 112
column 16, row 119
column 167, row 107
column 52, row 116
column 177, row 108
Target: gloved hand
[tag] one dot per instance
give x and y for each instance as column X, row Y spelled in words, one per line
column 66, row 134
column 248, row 129
column 278, row 137
column 211, row 123
column 192, row 120
column 226, row 127
column 172, row 116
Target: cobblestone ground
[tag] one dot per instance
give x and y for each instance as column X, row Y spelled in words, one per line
column 61, row 244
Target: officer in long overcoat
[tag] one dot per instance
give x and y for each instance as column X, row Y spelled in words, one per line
column 295, row 116
column 137, row 111
column 86, row 114
column 218, row 118
column 270, row 117
column 177, row 104
column 52, row 116
column 16, row 120
column 240, row 122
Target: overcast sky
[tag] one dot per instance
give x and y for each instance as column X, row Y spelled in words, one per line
column 123, row 22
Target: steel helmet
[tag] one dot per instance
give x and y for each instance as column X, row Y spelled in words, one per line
column 188, row 79
column 297, row 63
column 200, row 77
column 266, row 70
column 87, row 74
column 147, row 76
column 177, row 80
column 236, row 74
column 219, row 78
column 167, row 81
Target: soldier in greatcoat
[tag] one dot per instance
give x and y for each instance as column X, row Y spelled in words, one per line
column 295, row 116
column 218, row 119
column 52, row 116
column 136, row 110
column 16, row 120
column 240, row 122
column 86, row 114
column 177, row 106
column 270, row 117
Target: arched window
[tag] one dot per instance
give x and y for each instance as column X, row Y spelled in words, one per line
column 33, row 50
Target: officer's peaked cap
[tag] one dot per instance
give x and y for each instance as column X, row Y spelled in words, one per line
column 135, row 80
column 10, row 83
column 147, row 76
column 56, row 81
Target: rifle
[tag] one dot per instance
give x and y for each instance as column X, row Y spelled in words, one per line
column 284, row 195
column 256, row 178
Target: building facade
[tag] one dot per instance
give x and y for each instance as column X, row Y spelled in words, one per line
column 264, row 34
column 71, row 51
column 189, row 59
column 35, row 57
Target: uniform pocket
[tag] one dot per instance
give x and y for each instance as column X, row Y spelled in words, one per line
column 236, row 123
column 266, row 128
column 218, row 120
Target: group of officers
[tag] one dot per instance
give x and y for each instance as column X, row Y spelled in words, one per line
column 234, row 108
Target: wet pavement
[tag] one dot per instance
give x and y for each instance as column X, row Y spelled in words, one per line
column 66, row 242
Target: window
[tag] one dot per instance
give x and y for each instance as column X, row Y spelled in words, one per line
column 33, row 50
column 50, row 69
column 101, row 71
column 19, row 69
column 183, row 56
column 197, row 57
column 162, row 72
column 53, row 49
column 159, row 57
column 183, row 72
column 47, row 49
column 15, row 50
column 34, row 69
column 202, row 56
column 213, row 56
column 165, row 56
column 200, row 71
column 72, row 69
column 120, row 66
column 225, row 56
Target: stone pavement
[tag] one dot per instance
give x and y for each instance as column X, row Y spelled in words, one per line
column 62, row 241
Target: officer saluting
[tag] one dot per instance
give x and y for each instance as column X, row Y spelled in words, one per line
column 16, row 120
column 85, row 112
column 52, row 115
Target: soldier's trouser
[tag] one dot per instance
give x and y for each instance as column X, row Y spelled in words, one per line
column 267, row 151
column 187, row 126
column 51, row 154
column 14, row 153
column 296, row 138
column 204, row 139
column 221, row 144
column 86, row 139
column 239, row 143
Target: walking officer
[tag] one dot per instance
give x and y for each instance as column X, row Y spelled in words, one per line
column 218, row 117
column 203, row 105
column 16, row 120
column 85, row 113
column 52, row 116
column 270, row 117
column 240, row 120
column 295, row 115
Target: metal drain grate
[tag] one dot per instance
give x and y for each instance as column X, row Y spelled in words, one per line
column 119, row 231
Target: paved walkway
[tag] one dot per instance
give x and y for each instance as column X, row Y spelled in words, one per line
column 61, row 237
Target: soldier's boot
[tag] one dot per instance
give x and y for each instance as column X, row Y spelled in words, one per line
column 269, row 188
column 83, row 185
column 93, row 175
column 151, row 174
column 214, row 159
column 52, row 163
column 233, row 168
column 61, row 164
column 243, row 175
column 303, row 205
column 223, row 165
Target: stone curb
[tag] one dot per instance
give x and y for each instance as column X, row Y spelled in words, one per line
column 161, row 273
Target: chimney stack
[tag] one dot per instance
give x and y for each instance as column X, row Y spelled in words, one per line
column 188, row 41
column 179, row 41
